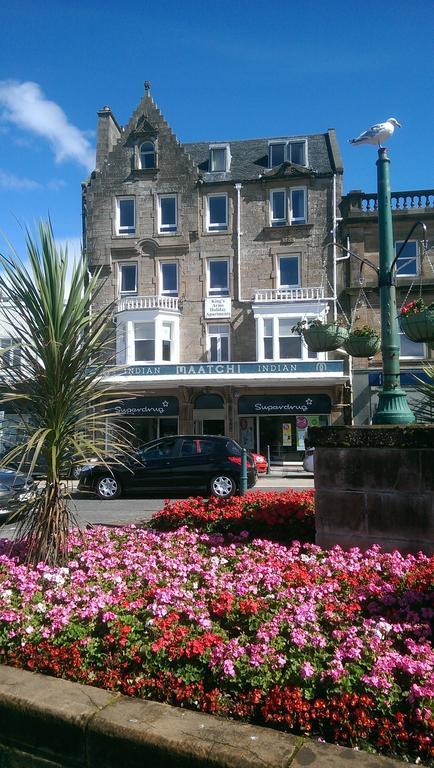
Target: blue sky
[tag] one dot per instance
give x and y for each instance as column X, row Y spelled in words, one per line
column 220, row 70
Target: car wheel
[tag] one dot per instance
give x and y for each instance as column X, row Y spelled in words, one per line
column 76, row 471
column 108, row 487
column 222, row 486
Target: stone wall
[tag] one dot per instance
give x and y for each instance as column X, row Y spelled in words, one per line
column 50, row 723
column 375, row 485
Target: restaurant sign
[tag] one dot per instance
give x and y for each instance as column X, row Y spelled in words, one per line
column 227, row 369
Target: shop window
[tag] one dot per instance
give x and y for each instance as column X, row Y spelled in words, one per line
column 144, row 342
column 169, row 278
column 127, row 278
column 147, row 155
column 407, row 263
column 289, row 343
column 167, row 214
column 217, row 213
column 166, row 341
column 125, row 215
column 218, row 343
column 289, row 271
column 218, row 277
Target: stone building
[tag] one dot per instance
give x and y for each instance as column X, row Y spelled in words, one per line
column 358, row 231
column 212, row 252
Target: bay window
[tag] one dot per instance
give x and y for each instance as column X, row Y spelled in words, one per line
column 144, row 342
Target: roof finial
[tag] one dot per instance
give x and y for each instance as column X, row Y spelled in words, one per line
column 147, row 87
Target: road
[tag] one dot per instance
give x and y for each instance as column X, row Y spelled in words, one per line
column 138, row 509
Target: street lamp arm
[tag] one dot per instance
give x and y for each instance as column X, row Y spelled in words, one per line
column 424, row 241
column 359, row 258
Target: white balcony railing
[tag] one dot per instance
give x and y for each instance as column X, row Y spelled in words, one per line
column 289, row 294
column 148, row 302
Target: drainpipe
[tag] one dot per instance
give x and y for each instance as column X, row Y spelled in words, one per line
column 239, row 187
column 335, row 309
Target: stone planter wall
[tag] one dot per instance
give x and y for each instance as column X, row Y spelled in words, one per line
column 50, row 723
column 375, row 485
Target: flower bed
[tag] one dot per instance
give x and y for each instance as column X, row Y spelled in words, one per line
column 279, row 516
column 334, row 644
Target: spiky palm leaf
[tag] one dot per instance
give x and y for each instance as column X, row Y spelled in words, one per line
column 57, row 389
column 423, row 407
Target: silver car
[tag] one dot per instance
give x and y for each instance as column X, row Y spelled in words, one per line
column 16, row 488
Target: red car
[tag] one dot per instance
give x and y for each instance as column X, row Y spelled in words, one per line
column 260, row 463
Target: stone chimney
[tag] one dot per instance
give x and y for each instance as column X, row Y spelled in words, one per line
column 107, row 135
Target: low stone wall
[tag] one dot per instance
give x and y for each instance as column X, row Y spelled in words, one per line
column 50, row 723
column 375, row 485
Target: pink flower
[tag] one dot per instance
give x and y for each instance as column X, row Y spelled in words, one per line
column 306, row 669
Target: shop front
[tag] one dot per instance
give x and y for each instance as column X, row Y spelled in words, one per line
column 148, row 417
column 278, row 423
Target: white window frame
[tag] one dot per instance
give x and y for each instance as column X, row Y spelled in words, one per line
column 260, row 335
column 148, row 152
column 210, row 335
column 126, row 231
column 227, row 157
column 216, row 226
column 422, row 346
column 289, row 150
column 167, row 228
column 121, row 265
column 406, row 259
column 278, row 222
column 154, row 339
column 164, row 292
column 272, row 144
column 289, row 256
column 217, row 291
column 300, row 219
column 169, row 323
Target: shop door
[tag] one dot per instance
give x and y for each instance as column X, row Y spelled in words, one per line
column 280, row 434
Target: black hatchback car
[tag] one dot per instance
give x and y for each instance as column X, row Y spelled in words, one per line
column 187, row 463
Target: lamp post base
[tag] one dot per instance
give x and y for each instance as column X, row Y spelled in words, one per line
column 393, row 408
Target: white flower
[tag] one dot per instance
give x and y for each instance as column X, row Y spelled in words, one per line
column 29, row 629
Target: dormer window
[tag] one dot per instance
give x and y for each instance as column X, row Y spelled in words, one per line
column 147, row 155
column 287, row 151
column 297, row 152
column 276, row 154
column 219, row 158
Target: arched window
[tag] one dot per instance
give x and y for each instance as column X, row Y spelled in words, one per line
column 147, row 154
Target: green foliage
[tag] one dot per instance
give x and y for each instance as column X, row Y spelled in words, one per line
column 58, row 389
column 365, row 331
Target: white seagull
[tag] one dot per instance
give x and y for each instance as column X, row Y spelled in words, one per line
column 377, row 133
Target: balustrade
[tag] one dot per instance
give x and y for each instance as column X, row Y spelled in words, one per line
column 170, row 303
column 313, row 293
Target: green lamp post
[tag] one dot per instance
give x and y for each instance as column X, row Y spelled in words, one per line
column 392, row 406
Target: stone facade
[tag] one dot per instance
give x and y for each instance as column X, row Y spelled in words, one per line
column 208, row 230
column 359, row 233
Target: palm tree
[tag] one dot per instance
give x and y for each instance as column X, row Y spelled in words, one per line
column 423, row 407
column 58, row 388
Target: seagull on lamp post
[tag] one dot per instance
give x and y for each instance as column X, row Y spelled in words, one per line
column 377, row 133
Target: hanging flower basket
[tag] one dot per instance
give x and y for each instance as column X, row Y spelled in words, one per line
column 417, row 321
column 325, row 337
column 363, row 342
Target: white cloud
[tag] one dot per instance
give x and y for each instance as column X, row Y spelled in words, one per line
column 19, row 183
column 25, row 105
column 10, row 181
